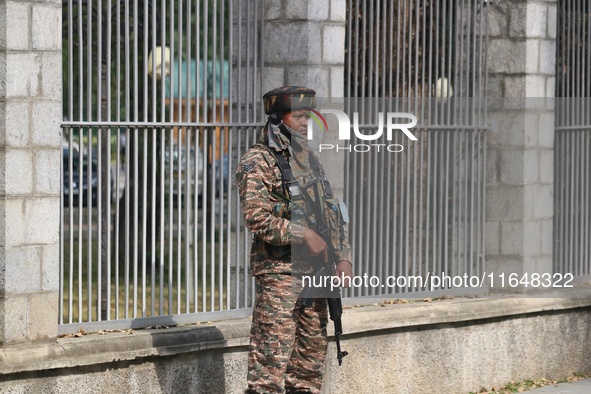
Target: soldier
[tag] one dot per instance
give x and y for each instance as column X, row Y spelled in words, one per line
column 288, row 338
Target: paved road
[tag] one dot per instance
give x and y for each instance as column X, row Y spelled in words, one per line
column 578, row 387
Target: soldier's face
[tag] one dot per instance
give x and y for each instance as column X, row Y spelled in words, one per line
column 298, row 121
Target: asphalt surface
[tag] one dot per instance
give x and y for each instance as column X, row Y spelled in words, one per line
column 577, row 387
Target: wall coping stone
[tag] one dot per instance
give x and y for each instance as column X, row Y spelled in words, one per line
column 128, row 345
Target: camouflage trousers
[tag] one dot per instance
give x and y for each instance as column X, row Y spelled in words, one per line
column 287, row 339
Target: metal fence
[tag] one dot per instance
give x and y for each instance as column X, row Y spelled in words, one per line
column 572, row 143
column 160, row 98
column 419, row 212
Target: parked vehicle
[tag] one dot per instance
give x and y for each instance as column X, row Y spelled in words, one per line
column 183, row 161
column 222, row 172
column 76, row 183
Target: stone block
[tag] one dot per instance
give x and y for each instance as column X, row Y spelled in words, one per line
column 2, row 124
column 14, row 222
column 546, row 131
column 333, row 44
column 509, row 126
column 50, row 270
column 532, row 238
column 272, row 10
column 47, row 172
column 537, row 20
column 22, row 269
column 51, row 74
column 547, row 237
column 514, row 86
column 535, row 86
column 17, row 25
column 2, row 173
column 551, row 29
column 548, row 58
column 512, row 166
column 499, row 18
column 22, row 75
column 531, row 129
column 244, row 34
column 518, row 20
column 512, row 235
column 506, row 56
column 492, row 238
column 492, row 166
column 292, row 43
column 533, row 265
column 338, row 10
column 46, row 27
column 18, row 171
column 2, row 223
column 337, row 81
column 315, row 77
column 14, row 321
column 42, row 218
column 46, row 116
column 528, row 199
column 17, row 119
column 533, row 56
column 273, row 77
column 243, row 9
column 546, row 166
column 551, row 87
column 538, row 104
column 3, row 74
column 43, row 315
column 504, row 202
column 317, row 10
column 3, row 31
column 494, row 86
column 531, row 166
column 2, row 268
column 516, row 104
column 544, row 264
column 297, row 9
column 543, row 201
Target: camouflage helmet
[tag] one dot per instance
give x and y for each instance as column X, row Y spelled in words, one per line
column 288, row 98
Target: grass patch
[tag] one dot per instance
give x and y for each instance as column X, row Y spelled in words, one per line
column 528, row 384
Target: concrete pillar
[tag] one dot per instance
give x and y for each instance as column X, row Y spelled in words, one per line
column 30, row 111
column 519, row 200
column 305, row 45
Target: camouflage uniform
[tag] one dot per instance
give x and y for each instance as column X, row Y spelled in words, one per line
column 288, row 339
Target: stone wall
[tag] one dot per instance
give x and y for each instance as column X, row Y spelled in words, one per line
column 519, row 199
column 445, row 347
column 304, row 45
column 30, row 113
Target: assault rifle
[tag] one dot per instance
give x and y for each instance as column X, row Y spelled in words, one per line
column 333, row 295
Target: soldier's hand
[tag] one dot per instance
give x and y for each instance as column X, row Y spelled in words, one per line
column 344, row 271
column 315, row 244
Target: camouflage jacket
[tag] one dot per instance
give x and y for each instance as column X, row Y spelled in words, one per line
column 269, row 216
